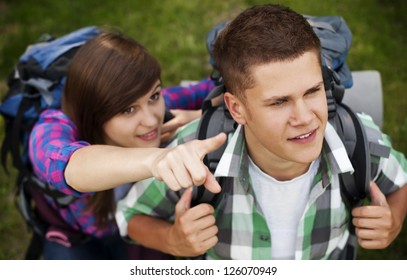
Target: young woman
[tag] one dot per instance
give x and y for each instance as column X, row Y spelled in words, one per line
column 112, row 106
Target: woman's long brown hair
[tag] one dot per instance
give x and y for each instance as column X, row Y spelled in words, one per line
column 106, row 75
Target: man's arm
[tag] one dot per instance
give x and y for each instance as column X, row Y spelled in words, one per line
column 192, row 234
column 398, row 205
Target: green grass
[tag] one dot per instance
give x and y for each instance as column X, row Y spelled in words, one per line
column 174, row 31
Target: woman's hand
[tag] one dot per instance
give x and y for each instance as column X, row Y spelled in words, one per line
column 183, row 167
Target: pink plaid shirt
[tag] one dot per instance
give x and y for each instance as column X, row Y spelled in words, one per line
column 54, row 138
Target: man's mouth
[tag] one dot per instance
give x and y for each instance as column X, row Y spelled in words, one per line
column 304, row 137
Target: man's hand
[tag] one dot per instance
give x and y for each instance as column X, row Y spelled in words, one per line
column 376, row 226
column 194, row 230
column 182, row 166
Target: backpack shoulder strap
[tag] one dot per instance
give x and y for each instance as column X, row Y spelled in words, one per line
column 360, row 143
column 364, row 150
column 215, row 119
column 354, row 186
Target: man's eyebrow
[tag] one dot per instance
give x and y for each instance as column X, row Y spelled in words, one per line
column 275, row 98
column 315, row 87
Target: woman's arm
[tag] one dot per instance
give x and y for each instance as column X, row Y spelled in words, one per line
column 187, row 97
column 101, row 167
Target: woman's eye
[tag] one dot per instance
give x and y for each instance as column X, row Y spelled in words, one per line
column 155, row 96
column 129, row 110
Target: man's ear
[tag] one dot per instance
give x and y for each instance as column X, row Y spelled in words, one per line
column 236, row 108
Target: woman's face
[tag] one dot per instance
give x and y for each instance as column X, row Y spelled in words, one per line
column 140, row 124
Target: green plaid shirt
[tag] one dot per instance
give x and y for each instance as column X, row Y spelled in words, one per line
column 243, row 231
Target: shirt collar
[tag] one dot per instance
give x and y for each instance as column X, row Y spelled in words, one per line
column 235, row 154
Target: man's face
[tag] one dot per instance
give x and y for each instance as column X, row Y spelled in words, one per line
column 284, row 114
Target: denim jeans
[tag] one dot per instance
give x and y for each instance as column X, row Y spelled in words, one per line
column 107, row 248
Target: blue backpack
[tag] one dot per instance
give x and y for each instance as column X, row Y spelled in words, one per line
column 35, row 84
column 335, row 37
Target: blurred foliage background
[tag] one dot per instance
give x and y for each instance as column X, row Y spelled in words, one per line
column 175, row 32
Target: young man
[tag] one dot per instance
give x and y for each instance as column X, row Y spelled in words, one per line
column 281, row 196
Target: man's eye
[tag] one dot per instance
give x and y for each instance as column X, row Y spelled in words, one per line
column 315, row 91
column 279, row 102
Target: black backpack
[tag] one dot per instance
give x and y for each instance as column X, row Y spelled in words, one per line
column 335, row 37
column 362, row 145
column 363, row 148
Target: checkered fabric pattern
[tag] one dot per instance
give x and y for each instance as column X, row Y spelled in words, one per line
column 243, row 232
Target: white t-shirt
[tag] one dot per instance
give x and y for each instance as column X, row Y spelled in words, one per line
column 283, row 204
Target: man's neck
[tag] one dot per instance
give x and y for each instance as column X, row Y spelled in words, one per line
column 280, row 169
